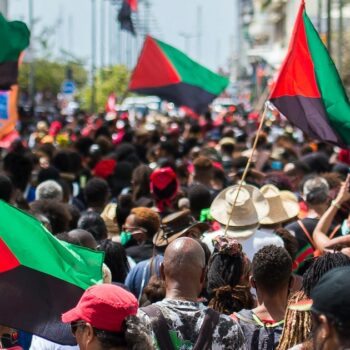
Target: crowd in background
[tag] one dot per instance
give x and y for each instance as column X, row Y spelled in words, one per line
column 196, row 260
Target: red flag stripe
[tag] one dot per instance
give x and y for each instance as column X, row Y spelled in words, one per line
column 132, row 4
column 8, row 260
column 153, row 68
column 297, row 75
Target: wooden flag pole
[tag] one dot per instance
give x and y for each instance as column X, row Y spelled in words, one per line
column 248, row 164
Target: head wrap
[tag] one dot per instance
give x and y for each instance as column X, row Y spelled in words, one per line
column 164, row 186
column 227, row 245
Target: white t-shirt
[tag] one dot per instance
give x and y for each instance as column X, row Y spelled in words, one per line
column 251, row 244
column 43, row 344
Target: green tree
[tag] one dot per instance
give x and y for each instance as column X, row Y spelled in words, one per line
column 113, row 79
column 50, row 75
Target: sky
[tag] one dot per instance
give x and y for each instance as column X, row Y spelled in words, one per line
column 169, row 20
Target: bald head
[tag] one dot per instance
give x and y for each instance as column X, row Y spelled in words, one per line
column 183, row 257
column 85, row 238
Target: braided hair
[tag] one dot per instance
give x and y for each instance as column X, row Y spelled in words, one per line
column 226, row 268
column 297, row 324
column 320, row 266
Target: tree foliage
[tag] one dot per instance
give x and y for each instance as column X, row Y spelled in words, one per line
column 113, row 79
column 50, row 75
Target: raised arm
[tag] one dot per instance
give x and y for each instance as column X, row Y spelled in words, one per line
column 320, row 237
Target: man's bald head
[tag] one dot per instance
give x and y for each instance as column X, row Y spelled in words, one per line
column 183, row 258
column 85, row 238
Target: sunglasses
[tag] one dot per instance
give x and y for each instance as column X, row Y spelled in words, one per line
column 75, row 325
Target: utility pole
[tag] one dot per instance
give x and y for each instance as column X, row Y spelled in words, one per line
column 111, row 34
column 102, row 34
column 31, row 50
column 118, row 43
column 199, row 32
column 136, row 39
column 147, row 17
column 237, row 41
column 340, row 37
column 128, row 47
column 218, row 52
column 93, row 56
column 329, row 26
column 319, row 16
column 187, row 37
column 70, row 34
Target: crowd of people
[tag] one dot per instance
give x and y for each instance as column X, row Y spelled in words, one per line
column 194, row 258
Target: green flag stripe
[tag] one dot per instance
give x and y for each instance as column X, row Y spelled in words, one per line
column 37, row 248
column 14, row 38
column 330, row 85
column 192, row 72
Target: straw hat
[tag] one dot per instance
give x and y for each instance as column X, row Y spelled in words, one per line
column 250, row 208
column 177, row 225
column 227, row 141
column 283, row 205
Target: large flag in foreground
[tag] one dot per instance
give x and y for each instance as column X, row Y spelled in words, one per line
column 124, row 15
column 14, row 38
column 40, row 276
column 309, row 91
column 167, row 72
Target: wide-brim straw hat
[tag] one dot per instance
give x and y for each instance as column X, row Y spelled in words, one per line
column 250, row 208
column 177, row 225
column 283, row 205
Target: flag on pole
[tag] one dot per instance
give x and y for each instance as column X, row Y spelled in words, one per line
column 124, row 15
column 309, row 91
column 167, row 72
column 40, row 276
column 14, row 38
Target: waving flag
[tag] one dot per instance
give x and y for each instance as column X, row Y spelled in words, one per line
column 14, row 38
column 167, row 72
column 309, row 91
column 40, row 276
column 124, row 16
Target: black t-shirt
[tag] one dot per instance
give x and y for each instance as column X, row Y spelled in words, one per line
column 141, row 251
column 305, row 252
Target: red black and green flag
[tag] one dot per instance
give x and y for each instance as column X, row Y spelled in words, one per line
column 167, row 72
column 309, row 91
column 124, row 15
column 14, row 38
column 40, row 276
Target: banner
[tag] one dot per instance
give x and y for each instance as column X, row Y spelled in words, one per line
column 8, row 111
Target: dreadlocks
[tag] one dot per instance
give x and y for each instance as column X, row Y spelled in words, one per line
column 227, row 285
column 297, row 324
column 320, row 266
column 228, row 300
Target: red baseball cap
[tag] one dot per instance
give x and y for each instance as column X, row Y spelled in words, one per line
column 104, row 306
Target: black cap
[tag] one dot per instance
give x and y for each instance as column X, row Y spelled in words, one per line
column 331, row 295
